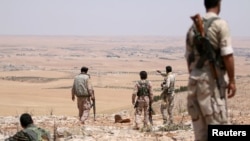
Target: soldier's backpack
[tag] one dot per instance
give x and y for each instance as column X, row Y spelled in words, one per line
column 143, row 89
column 81, row 86
column 204, row 47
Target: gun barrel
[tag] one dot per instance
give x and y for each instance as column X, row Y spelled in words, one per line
column 150, row 113
column 94, row 108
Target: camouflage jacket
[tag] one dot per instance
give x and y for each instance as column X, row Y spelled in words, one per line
column 31, row 133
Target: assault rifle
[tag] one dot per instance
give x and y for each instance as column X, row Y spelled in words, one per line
column 150, row 113
column 205, row 49
column 94, row 106
column 136, row 104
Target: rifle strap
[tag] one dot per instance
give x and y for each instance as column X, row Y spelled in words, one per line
column 208, row 22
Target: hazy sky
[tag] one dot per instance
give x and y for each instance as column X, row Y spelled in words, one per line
column 113, row 17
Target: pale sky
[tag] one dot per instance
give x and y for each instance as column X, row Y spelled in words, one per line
column 113, row 17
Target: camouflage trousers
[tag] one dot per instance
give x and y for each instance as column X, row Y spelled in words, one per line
column 205, row 106
column 84, row 106
column 167, row 105
column 142, row 107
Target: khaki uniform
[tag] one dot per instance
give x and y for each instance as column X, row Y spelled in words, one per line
column 167, row 97
column 83, row 102
column 84, row 106
column 142, row 104
column 205, row 104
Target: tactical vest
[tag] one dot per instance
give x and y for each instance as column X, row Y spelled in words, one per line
column 143, row 88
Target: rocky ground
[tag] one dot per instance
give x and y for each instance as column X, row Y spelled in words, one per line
column 103, row 129
column 67, row 128
column 25, row 53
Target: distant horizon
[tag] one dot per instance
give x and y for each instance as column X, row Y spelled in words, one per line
column 110, row 36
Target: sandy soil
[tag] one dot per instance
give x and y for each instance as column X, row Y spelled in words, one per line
column 36, row 72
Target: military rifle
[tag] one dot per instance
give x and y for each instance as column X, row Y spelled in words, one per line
column 150, row 113
column 94, row 106
column 207, row 49
column 136, row 104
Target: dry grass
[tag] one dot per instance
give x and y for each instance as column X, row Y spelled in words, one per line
column 37, row 72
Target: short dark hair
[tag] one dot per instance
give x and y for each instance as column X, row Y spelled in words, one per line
column 84, row 69
column 143, row 75
column 211, row 3
column 25, row 120
column 168, row 68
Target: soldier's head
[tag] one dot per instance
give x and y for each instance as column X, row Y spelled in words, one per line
column 143, row 75
column 213, row 4
column 84, row 69
column 26, row 120
column 168, row 69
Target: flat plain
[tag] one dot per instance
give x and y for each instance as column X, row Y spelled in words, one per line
column 37, row 72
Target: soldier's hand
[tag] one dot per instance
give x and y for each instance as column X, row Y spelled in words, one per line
column 73, row 98
column 93, row 98
column 231, row 89
column 162, row 84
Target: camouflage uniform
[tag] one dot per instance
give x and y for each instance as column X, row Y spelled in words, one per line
column 167, row 97
column 142, row 103
column 31, row 133
column 83, row 102
column 205, row 105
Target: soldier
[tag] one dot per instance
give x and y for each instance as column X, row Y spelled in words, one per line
column 30, row 132
column 167, row 95
column 83, row 90
column 206, row 98
column 143, row 93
